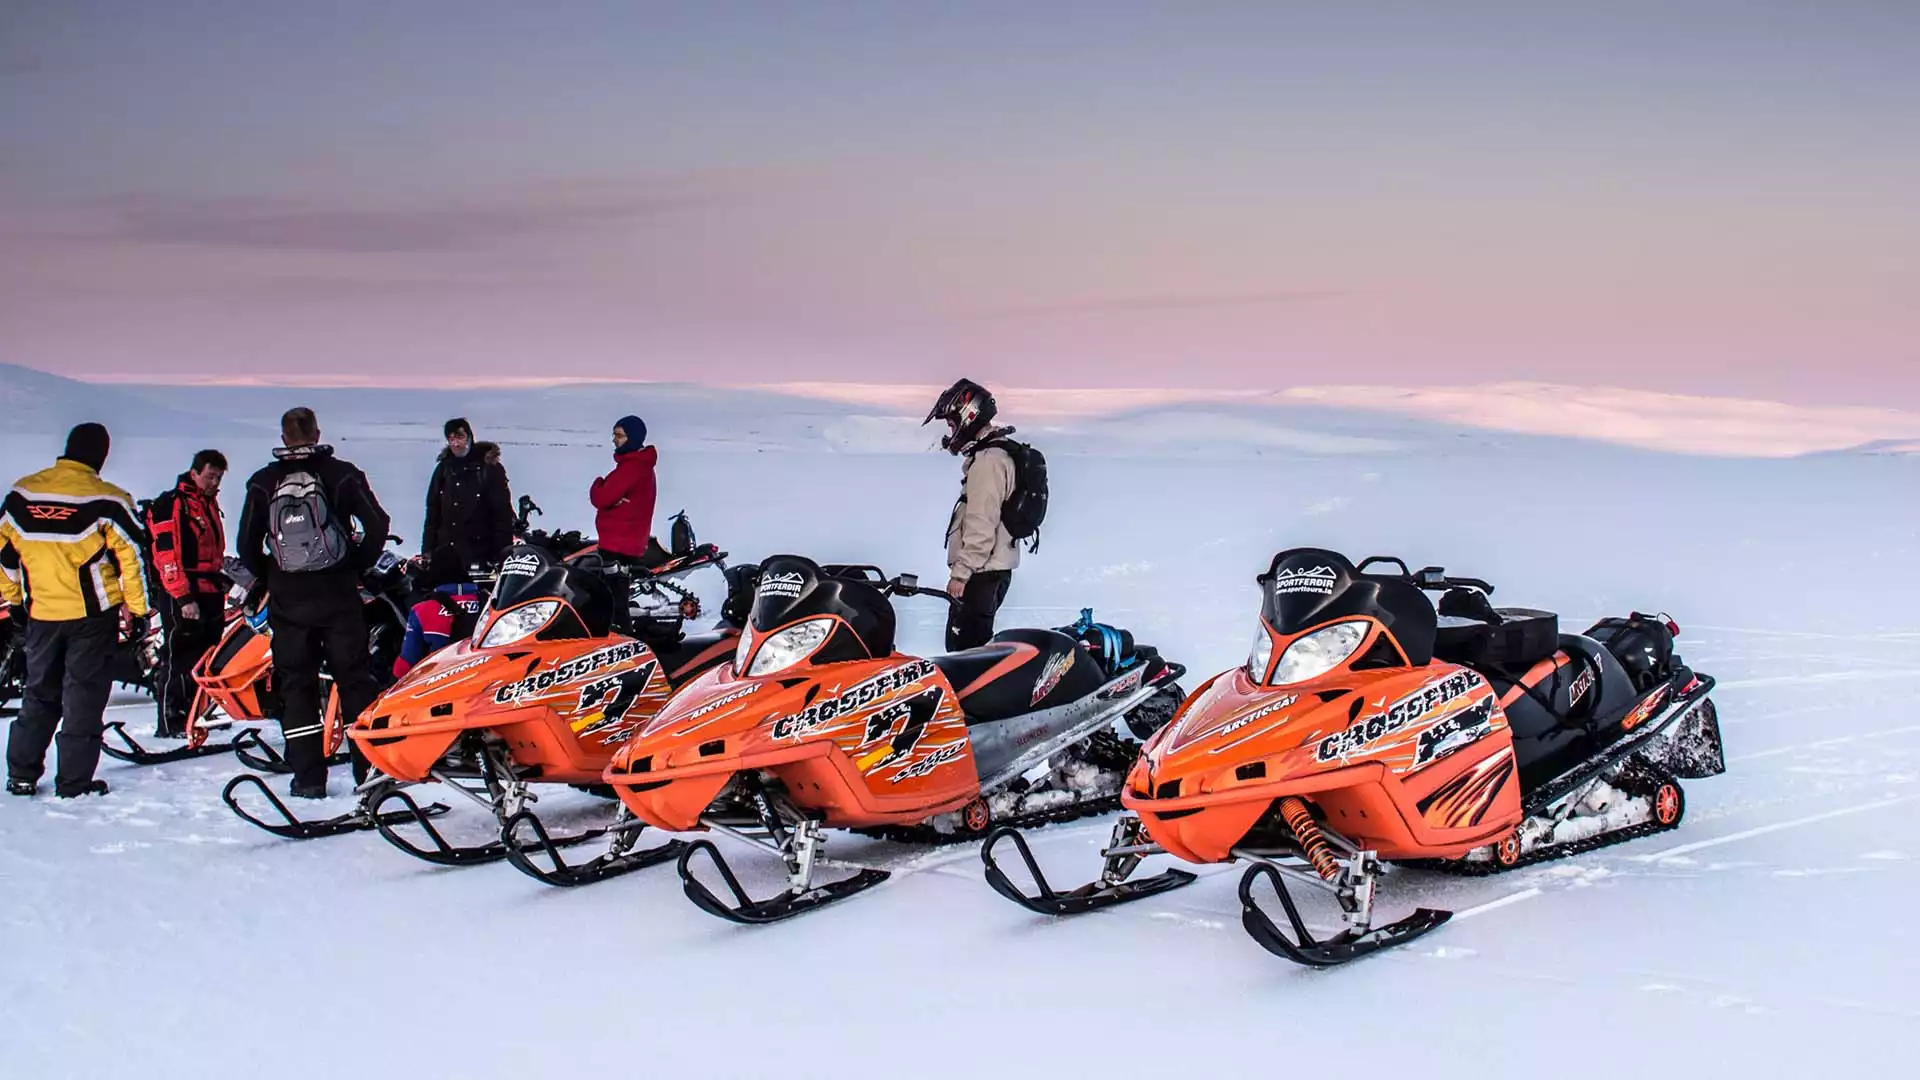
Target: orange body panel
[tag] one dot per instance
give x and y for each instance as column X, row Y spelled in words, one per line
column 1410, row 762
column 562, row 707
column 238, row 685
column 826, row 731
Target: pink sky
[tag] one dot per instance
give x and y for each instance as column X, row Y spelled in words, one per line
column 1247, row 198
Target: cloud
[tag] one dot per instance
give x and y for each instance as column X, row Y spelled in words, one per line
column 458, row 225
column 1124, row 305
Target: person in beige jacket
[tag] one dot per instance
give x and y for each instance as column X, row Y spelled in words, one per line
column 981, row 554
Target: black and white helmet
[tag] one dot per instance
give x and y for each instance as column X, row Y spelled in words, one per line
column 968, row 408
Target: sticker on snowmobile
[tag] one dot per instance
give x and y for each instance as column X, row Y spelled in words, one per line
column 1320, row 579
column 1581, row 684
column 443, row 676
column 1237, row 723
column 724, row 700
column 521, row 566
column 821, row 713
column 1398, row 716
column 1128, row 684
column 1644, row 710
column 571, row 671
column 1451, row 733
column 947, row 753
column 785, row 586
column 912, row 716
column 613, row 698
column 1051, row 675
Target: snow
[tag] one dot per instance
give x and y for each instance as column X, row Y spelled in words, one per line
column 152, row 934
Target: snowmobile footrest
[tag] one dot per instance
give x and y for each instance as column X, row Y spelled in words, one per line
column 754, row 912
column 1089, row 897
column 522, row 853
column 292, row 828
column 255, row 753
column 1336, row 950
column 441, row 853
column 135, row 754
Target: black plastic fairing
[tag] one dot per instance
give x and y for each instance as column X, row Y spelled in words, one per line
column 1307, row 587
column 530, row 573
column 793, row 588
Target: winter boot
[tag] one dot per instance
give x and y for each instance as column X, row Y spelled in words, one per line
column 91, row 787
column 308, row 791
column 25, row 788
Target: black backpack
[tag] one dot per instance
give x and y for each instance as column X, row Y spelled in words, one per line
column 1026, row 509
column 302, row 528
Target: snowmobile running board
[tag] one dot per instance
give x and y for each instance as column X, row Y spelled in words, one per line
column 135, row 754
column 1089, row 897
column 752, row 912
column 356, row 820
column 254, row 753
column 1339, row 949
column 562, row 875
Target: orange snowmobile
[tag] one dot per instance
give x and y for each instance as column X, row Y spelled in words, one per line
column 234, row 681
column 1366, row 727
column 548, row 686
column 818, row 723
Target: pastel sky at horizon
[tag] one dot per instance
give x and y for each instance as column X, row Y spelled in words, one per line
column 1707, row 197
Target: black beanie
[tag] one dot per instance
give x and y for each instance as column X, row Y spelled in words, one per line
column 87, row 444
column 458, row 423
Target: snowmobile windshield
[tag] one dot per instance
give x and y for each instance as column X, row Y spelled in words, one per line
column 1308, row 587
column 792, row 589
column 529, row 574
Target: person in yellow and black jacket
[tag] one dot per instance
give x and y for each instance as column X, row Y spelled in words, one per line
column 189, row 559
column 69, row 558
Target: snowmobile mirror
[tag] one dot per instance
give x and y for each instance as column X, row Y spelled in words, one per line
column 1431, row 577
column 909, row 581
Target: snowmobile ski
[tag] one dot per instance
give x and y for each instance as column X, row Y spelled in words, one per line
column 1109, row 890
column 257, row 754
column 1302, row 948
column 748, row 911
column 133, row 753
column 442, row 853
column 527, row 855
column 359, row 819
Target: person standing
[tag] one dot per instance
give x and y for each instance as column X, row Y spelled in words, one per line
column 623, row 499
column 69, row 558
column 294, row 535
column 469, row 504
column 981, row 550
column 189, row 554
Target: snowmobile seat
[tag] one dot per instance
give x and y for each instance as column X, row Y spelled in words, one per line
column 1018, row 672
column 1474, row 633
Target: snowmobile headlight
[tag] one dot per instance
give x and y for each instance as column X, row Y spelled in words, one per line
column 1261, row 655
column 778, row 652
column 1318, row 653
column 510, row 626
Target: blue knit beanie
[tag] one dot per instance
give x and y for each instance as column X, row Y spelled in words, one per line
column 636, row 430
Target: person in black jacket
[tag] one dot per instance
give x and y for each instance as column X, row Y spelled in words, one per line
column 315, row 613
column 468, row 502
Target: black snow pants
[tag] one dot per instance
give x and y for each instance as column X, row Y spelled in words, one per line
column 187, row 642
column 971, row 621
column 320, row 627
column 69, row 679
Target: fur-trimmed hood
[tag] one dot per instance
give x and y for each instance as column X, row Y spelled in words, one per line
column 489, row 452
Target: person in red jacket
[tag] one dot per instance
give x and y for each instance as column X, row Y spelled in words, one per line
column 189, row 552
column 624, row 497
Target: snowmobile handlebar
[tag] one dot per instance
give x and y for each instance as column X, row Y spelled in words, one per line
column 1427, row 577
column 898, row 585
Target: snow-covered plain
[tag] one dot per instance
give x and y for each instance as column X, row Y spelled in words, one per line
column 151, row 934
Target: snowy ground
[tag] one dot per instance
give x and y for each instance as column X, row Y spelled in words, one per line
column 1768, row 936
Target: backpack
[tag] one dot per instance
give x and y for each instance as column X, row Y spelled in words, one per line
column 1026, row 508
column 302, row 529
column 464, row 621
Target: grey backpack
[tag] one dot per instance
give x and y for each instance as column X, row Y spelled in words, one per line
column 302, row 529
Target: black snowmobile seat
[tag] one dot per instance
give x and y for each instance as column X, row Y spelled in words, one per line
column 1010, row 692
column 1474, row 633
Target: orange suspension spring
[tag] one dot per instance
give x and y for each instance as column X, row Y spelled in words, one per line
column 1307, row 831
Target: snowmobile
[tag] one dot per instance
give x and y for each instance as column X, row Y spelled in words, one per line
column 1368, row 727
column 547, row 687
column 235, row 678
column 818, row 723
column 661, row 591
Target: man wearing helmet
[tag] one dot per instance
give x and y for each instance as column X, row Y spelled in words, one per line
column 981, row 553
